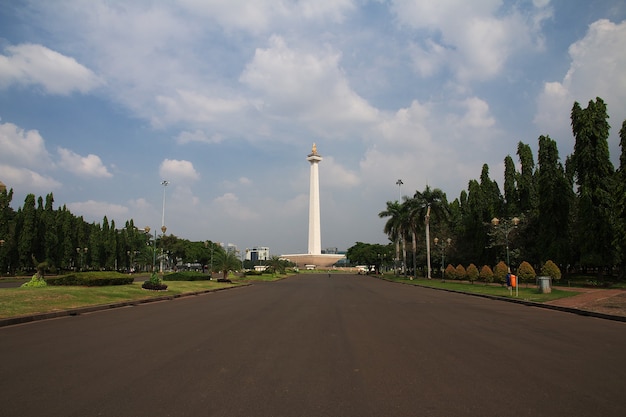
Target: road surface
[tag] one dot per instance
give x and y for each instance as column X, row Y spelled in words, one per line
column 310, row 345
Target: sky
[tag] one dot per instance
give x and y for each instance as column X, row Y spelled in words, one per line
column 103, row 100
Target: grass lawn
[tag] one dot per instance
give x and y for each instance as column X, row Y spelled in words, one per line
column 528, row 294
column 24, row 301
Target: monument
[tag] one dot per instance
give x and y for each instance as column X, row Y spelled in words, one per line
column 314, row 257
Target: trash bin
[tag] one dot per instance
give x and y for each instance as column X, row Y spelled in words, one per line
column 544, row 285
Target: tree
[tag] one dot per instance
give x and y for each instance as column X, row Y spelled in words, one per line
column 550, row 269
column 370, row 254
column 593, row 173
column 511, row 193
column 424, row 207
column 27, row 232
column 225, row 262
column 461, row 273
column 500, row 271
column 526, row 272
column 396, row 227
column 555, row 199
column 486, row 274
column 620, row 204
column 472, row 273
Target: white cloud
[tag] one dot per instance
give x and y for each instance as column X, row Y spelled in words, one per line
column 178, row 171
column 198, row 136
column 477, row 114
column 475, row 38
column 596, row 70
column 27, row 180
column 309, row 86
column 96, row 210
column 261, row 15
column 29, row 64
column 26, row 148
column 190, row 106
column 90, row 165
column 338, row 176
column 230, row 206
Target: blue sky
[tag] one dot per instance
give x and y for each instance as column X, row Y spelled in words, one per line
column 102, row 100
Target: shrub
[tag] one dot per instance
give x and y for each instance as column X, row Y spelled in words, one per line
column 499, row 272
column 550, row 269
column 450, row 272
column 461, row 273
column 154, row 283
column 187, row 276
column 526, row 272
column 472, row 273
column 35, row 282
column 91, row 279
column 486, row 274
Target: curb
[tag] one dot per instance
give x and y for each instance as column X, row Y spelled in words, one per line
column 528, row 303
column 11, row 321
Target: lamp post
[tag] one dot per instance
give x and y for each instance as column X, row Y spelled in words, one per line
column 81, row 253
column 507, row 224
column 443, row 255
column 427, row 222
column 1, row 263
column 154, row 249
column 164, row 183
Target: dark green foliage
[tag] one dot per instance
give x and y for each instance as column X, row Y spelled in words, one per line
column 525, row 272
column 593, row 173
column 154, row 283
column 550, row 269
column 91, row 279
column 472, row 273
column 187, row 276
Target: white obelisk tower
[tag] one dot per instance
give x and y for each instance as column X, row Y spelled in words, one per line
column 315, row 235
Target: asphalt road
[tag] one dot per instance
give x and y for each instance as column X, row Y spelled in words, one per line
column 316, row 346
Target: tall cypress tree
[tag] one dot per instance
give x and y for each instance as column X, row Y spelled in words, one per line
column 593, row 173
column 620, row 204
column 555, row 198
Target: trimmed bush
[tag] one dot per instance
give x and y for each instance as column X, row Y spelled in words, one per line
column 486, row 274
column 187, row 276
column 472, row 273
column 461, row 273
column 154, row 283
column 450, row 272
column 91, row 279
column 526, row 272
column 35, row 282
column 499, row 272
column 550, row 269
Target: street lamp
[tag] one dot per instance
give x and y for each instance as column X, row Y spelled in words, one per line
column 147, row 230
column 427, row 222
column 81, row 253
column 399, row 184
column 164, row 183
column 508, row 224
column 443, row 255
column 1, row 264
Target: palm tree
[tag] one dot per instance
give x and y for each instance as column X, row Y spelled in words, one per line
column 431, row 203
column 397, row 226
column 227, row 261
column 276, row 265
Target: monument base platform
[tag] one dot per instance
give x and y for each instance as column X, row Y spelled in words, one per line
column 323, row 261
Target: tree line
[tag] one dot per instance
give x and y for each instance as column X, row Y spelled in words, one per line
column 38, row 234
column 571, row 213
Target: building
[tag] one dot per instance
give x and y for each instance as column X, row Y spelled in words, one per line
column 259, row 253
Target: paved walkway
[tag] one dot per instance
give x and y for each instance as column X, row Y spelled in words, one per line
column 593, row 299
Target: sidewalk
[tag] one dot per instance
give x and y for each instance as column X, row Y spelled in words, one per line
column 597, row 300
